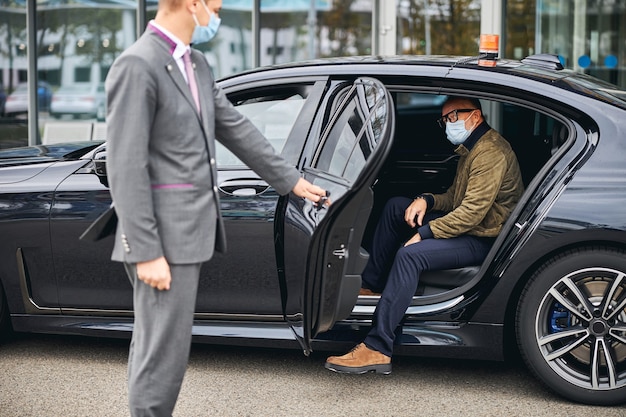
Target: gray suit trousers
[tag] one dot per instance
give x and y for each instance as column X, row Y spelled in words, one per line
column 159, row 349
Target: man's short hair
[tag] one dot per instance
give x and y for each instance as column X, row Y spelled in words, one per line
column 473, row 101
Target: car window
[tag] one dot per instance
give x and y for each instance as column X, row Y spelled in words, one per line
column 353, row 137
column 533, row 135
column 273, row 115
column 346, row 142
column 417, row 132
column 423, row 160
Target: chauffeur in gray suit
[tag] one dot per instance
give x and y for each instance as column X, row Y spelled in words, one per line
column 163, row 119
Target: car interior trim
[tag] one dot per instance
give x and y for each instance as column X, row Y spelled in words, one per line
column 362, row 310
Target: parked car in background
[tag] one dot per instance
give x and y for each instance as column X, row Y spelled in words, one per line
column 17, row 101
column 553, row 286
column 83, row 99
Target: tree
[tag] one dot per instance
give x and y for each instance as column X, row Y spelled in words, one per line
column 454, row 26
column 520, row 28
column 13, row 30
column 349, row 32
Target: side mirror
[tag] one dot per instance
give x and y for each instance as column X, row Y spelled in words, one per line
column 100, row 166
column 100, row 163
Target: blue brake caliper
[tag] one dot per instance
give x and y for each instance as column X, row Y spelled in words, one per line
column 560, row 318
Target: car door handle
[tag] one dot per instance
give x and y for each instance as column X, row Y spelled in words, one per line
column 323, row 202
column 244, row 187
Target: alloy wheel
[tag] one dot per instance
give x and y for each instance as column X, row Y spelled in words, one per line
column 580, row 328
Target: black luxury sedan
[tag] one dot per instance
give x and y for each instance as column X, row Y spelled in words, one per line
column 553, row 286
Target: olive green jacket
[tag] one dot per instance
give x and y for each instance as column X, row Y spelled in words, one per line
column 486, row 188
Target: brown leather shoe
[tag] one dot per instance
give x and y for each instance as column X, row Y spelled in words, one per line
column 366, row 291
column 360, row 360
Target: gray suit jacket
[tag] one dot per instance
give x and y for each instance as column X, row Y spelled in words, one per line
column 160, row 155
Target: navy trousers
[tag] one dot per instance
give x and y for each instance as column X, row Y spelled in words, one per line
column 394, row 270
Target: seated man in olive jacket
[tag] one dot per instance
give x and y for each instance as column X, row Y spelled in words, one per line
column 434, row 232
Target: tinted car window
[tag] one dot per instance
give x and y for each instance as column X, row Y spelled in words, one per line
column 273, row 115
column 355, row 133
column 339, row 151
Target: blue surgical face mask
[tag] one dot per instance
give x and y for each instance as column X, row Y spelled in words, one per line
column 456, row 132
column 202, row 34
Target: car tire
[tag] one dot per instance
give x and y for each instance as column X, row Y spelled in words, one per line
column 571, row 325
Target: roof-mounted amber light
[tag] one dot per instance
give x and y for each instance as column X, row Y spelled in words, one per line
column 488, row 49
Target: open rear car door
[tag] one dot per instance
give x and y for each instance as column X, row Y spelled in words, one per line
column 319, row 251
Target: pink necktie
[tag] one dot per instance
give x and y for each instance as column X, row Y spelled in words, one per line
column 191, row 79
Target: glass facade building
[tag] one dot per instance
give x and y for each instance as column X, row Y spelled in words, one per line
column 55, row 54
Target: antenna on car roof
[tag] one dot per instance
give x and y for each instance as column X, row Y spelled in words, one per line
column 488, row 53
column 549, row 61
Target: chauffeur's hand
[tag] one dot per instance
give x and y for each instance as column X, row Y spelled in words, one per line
column 305, row 189
column 155, row 273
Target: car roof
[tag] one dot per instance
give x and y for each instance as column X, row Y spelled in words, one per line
column 544, row 68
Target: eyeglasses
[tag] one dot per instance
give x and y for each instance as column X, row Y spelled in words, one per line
column 452, row 117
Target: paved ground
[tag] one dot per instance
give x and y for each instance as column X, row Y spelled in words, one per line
column 73, row 376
